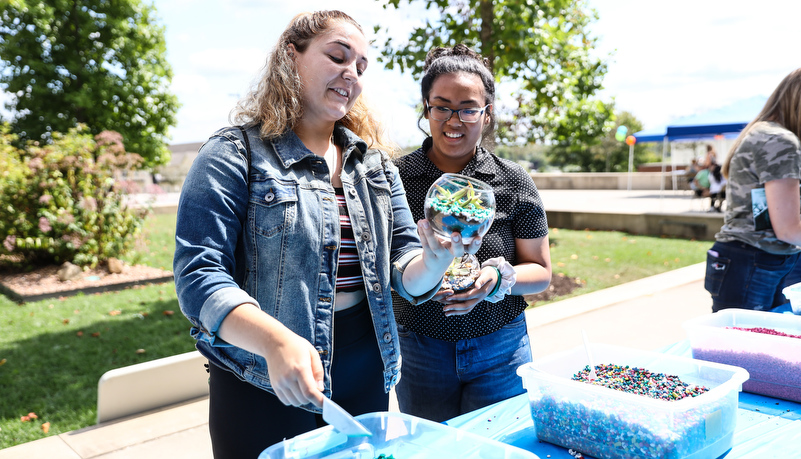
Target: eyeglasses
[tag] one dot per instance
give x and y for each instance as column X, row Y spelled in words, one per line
column 466, row 115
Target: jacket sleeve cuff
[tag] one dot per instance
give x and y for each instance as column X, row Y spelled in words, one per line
column 398, row 267
column 216, row 309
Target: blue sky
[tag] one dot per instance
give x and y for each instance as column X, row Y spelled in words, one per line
column 669, row 59
column 217, row 48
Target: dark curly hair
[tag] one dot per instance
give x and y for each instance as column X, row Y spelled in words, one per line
column 460, row 58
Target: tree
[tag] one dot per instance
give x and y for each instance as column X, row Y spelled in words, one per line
column 607, row 155
column 531, row 156
column 94, row 62
column 542, row 45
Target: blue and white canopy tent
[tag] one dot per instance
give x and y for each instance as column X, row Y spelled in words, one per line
column 727, row 122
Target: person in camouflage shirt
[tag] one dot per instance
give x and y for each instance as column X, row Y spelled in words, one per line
column 757, row 250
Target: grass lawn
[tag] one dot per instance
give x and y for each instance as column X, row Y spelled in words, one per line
column 53, row 352
column 602, row 259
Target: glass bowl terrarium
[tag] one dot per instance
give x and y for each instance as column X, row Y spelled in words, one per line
column 459, row 204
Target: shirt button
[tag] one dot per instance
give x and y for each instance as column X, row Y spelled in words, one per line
column 387, row 337
column 366, row 236
column 269, row 196
column 376, row 287
column 352, row 192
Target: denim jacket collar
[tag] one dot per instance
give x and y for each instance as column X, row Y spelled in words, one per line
column 290, row 149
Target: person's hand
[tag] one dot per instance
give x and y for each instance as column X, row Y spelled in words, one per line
column 296, row 372
column 442, row 294
column 473, row 246
column 438, row 253
column 507, row 281
column 464, row 302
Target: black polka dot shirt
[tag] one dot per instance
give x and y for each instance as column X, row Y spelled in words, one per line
column 519, row 214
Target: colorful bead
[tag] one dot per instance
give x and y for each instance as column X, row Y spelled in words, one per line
column 766, row 331
column 640, row 381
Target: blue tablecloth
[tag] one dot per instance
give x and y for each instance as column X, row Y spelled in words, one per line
column 766, row 427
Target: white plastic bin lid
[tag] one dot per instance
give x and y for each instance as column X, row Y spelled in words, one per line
column 793, row 293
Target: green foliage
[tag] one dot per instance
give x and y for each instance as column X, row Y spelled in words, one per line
column 607, row 155
column 60, row 384
column 544, row 47
column 533, row 154
column 100, row 63
column 155, row 245
column 603, row 259
column 53, row 352
column 63, row 204
column 56, row 350
column 9, row 156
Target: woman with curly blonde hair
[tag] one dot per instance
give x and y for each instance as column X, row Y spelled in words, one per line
column 275, row 101
column 293, row 230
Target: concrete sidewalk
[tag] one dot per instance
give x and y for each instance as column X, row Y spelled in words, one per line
column 607, row 201
column 625, row 202
column 645, row 314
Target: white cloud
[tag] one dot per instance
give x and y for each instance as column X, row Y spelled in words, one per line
column 227, row 61
column 394, row 97
column 190, row 84
column 4, row 99
column 670, row 59
column 219, row 59
column 201, row 116
column 685, row 57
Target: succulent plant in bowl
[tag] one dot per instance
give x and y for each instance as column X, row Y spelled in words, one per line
column 457, row 203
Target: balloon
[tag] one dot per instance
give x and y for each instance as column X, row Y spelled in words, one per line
column 620, row 135
column 631, row 140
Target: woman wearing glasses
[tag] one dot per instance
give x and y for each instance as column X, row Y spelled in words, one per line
column 460, row 350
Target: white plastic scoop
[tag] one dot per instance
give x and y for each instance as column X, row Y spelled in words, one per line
column 342, row 420
column 592, row 375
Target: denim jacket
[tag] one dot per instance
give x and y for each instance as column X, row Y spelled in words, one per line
column 276, row 244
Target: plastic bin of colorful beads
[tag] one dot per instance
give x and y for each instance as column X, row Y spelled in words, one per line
column 394, row 434
column 609, row 423
column 767, row 344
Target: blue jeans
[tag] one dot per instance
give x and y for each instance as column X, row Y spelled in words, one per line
column 742, row 276
column 441, row 379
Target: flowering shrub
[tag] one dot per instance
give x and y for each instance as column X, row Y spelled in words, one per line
column 60, row 202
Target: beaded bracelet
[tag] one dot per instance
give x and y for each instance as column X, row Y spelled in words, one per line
column 497, row 284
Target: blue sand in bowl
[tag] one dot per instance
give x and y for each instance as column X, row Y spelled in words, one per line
column 452, row 224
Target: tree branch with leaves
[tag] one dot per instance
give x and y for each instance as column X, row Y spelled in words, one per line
column 544, row 47
column 92, row 62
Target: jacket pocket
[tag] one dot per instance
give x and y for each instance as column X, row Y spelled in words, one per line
column 716, row 269
column 271, row 202
column 380, row 190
